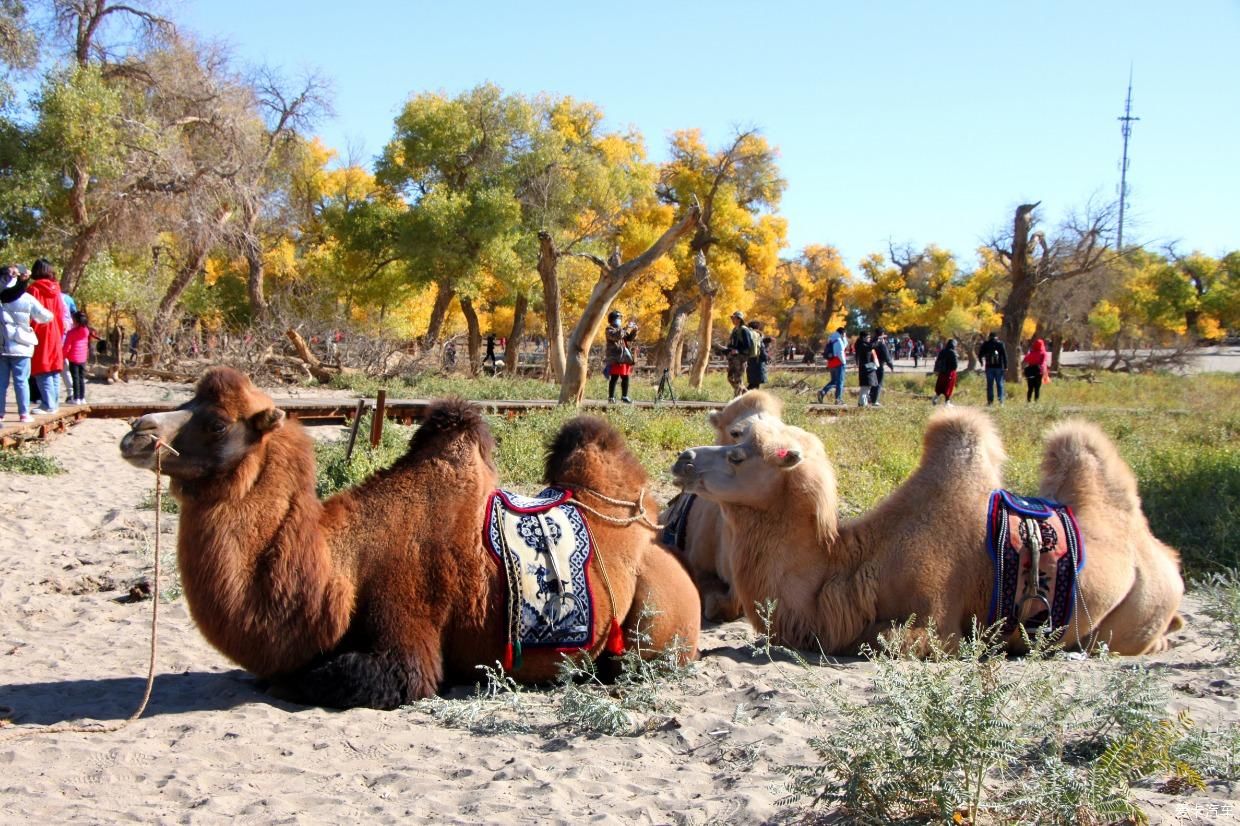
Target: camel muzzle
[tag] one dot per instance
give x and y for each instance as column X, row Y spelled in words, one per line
column 684, row 471
column 138, row 445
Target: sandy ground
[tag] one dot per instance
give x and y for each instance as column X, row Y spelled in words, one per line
column 214, row 748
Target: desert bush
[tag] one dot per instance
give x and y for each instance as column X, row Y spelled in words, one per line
column 1220, row 601
column 967, row 735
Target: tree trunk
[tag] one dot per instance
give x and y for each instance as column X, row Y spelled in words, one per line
column 1056, row 351
column 79, row 256
column 612, row 280
column 548, row 262
column 669, row 358
column 706, row 309
column 252, row 249
column 1016, row 308
column 444, row 293
column 475, row 335
column 512, row 352
column 166, row 315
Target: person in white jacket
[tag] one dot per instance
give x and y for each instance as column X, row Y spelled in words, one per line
column 17, row 339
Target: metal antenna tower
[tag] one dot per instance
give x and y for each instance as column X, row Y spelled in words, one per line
column 1126, row 129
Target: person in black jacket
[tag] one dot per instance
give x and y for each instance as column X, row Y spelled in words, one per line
column 993, row 356
column 884, row 360
column 867, row 367
column 945, row 366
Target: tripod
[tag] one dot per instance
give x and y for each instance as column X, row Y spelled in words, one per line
column 665, row 388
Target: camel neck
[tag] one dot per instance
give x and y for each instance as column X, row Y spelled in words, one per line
column 253, row 554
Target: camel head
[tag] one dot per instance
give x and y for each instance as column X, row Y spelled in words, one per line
column 211, row 433
column 732, row 422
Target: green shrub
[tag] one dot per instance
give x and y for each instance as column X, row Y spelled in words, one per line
column 29, row 461
column 334, row 473
column 1220, row 598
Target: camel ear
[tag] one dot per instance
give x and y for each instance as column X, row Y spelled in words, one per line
column 787, row 457
column 268, row 420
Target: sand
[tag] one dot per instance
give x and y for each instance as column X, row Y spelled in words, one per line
column 213, row 747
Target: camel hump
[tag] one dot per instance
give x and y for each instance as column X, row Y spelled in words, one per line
column 448, row 420
column 1081, row 465
column 958, row 436
column 590, row 452
column 753, row 403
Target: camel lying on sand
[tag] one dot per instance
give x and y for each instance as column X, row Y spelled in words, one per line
column 697, row 529
column 380, row 594
column 921, row 552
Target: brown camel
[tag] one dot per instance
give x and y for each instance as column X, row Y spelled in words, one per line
column 380, row 594
column 921, row 552
column 700, row 533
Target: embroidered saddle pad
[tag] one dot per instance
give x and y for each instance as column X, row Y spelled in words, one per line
column 546, row 539
column 678, row 520
column 1017, row 528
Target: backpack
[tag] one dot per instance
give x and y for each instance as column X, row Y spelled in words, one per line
column 753, row 347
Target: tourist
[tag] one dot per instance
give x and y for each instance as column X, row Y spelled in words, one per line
column 755, row 357
column 737, row 353
column 48, row 359
column 490, row 356
column 993, row 356
column 883, row 356
column 945, row 365
column 19, row 309
column 834, row 354
column 867, row 367
column 1037, row 370
column 77, row 352
column 618, row 356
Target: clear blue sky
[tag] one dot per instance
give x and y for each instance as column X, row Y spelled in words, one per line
column 917, row 122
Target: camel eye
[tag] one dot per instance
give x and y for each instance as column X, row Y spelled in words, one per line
column 219, row 426
column 736, row 433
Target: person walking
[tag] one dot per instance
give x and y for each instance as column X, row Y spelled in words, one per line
column 48, row 359
column 883, row 357
column 836, row 364
column 867, row 367
column 945, row 365
column 18, row 309
column 490, row 355
column 993, row 356
column 618, row 356
column 1037, row 370
column 77, row 353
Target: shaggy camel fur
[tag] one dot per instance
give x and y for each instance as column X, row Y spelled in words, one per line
column 839, row 586
column 380, row 594
column 706, row 551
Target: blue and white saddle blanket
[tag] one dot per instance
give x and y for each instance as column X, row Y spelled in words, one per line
column 1020, row 530
column 546, row 538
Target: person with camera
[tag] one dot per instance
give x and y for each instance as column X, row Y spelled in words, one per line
column 618, row 355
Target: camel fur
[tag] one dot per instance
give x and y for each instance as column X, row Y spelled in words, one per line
column 381, row 594
column 839, row 586
column 707, row 552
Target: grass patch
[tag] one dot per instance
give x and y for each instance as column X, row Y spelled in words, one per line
column 30, row 462
column 1181, row 435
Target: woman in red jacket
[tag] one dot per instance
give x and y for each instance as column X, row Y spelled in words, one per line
column 49, row 356
column 1037, row 370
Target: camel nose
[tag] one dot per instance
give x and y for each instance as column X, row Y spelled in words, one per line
column 684, row 464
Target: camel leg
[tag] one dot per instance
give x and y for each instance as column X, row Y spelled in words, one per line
column 719, row 601
column 1139, row 624
column 375, row 679
column 663, row 584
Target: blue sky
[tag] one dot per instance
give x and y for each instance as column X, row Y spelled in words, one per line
column 916, row 122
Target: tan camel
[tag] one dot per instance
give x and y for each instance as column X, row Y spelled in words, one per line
column 700, row 533
column 921, row 552
column 380, row 594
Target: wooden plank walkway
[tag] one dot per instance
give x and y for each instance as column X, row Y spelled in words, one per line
column 43, row 426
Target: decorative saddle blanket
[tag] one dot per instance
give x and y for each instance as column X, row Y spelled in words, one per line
column 677, row 523
column 1037, row 551
column 543, row 545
